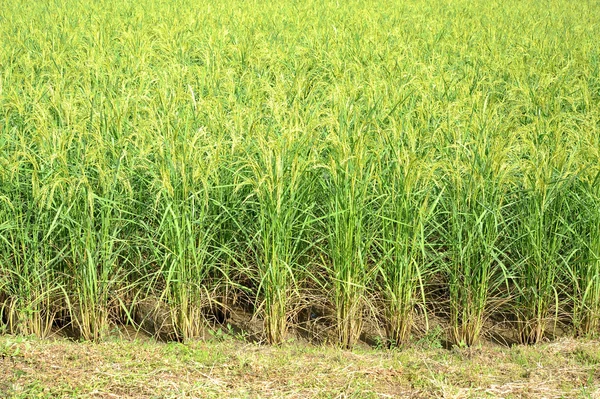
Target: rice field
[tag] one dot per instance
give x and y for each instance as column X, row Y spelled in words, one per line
column 360, row 164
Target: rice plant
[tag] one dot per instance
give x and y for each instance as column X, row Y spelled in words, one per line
column 210, row 157
column 584, row 274
column 279, row 174
column 30, row 291
column 472, row 231
column 542, row 238
column 347, row 180
column 408, row 203
column 185, row 229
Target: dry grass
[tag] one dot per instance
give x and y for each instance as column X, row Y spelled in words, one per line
column 136, row 369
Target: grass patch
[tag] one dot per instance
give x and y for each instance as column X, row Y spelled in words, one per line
column 124, row 368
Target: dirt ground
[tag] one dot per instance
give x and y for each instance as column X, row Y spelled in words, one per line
column 227, row 367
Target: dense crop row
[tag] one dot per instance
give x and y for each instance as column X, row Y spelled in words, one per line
column 367, row 158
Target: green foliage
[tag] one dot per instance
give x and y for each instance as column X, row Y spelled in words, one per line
column 379, row 155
